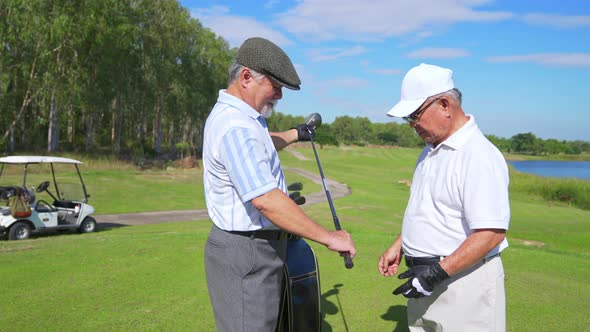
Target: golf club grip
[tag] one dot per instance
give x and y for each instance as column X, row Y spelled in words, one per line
column 348, row 261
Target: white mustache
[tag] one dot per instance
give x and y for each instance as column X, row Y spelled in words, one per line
column 269, row 108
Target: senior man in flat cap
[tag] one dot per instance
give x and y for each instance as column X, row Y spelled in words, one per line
column 455, row 223
column 246, row 193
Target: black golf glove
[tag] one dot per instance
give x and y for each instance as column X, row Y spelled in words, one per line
column 422, row 283
column 304, row 132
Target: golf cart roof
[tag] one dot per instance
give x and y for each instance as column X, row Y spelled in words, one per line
column 36, row 160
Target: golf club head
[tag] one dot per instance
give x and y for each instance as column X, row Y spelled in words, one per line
column 294, row 195
column 313, row 120
column 295, row 186
column 299, row 200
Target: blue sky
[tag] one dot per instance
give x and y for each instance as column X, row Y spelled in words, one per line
column 523, row 66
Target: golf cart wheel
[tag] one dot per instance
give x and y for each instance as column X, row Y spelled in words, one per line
column 88, row 225
column 19, row 231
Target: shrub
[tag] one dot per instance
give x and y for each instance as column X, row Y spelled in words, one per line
column 571, row 191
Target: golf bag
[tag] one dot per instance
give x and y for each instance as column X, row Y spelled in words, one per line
column 300, row 303
column 19, row 207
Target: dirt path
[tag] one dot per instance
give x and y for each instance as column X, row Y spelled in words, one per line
column 337, row 190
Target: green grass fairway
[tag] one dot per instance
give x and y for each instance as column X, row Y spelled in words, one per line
column 151, row 278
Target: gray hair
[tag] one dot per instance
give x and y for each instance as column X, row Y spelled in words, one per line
column 453, row 93
column 234, row 72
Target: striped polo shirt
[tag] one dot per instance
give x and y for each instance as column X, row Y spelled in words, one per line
column 240, row 163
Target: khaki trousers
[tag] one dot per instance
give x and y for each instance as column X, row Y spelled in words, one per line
column 473, row 300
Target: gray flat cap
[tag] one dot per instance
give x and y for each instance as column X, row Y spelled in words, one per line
column 267, row 58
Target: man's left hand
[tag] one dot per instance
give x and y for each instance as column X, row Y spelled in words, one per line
column 422, row 284
column 304, row 132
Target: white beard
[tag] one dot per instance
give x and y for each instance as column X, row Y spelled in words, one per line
column 268, row 108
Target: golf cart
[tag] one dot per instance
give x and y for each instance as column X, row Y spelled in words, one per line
column 59, row 202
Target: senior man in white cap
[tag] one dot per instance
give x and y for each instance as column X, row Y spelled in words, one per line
column 246, row 193
column 455, row 223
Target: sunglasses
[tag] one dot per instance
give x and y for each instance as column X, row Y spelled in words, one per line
column 415, row 117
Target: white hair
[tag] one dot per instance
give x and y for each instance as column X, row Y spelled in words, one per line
column 234, row 72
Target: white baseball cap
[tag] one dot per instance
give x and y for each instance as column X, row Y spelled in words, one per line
column 420, row 83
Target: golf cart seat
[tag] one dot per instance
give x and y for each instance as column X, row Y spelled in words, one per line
column 64, row 204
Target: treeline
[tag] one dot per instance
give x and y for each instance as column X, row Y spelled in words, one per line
column 107, row 75
column 347, row 130
column 528, row 143
column 360, row 131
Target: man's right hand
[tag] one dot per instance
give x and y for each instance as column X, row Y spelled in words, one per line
column 341, row 241
column 390, row 261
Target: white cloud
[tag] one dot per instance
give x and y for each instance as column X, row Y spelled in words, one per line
column 376, row 20
column 557, row 21
column 321, row 20
column 548, row 59
column 319, row 55
column 438, row 53
column 346, row 83
column 236, row 29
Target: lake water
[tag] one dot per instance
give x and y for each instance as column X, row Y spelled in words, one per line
column 554, row 168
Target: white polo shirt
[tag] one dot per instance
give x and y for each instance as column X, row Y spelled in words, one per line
column 240, row 163
column 459, row 186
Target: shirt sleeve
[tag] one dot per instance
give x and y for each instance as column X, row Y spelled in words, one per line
column 247, row 163
column 485, row 195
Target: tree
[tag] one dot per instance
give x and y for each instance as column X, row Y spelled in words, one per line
column 117, row 73
column 525, row 143
column 325, row 136
column 502, row 144
column 342, row 129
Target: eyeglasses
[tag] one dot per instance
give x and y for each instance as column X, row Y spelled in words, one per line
column 415, row 117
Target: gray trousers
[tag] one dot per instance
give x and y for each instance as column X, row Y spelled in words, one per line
column 244, row 278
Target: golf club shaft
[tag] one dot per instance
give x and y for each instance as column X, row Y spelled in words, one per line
column 347, row 260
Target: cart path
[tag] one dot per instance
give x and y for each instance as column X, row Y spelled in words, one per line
column 336, row 189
